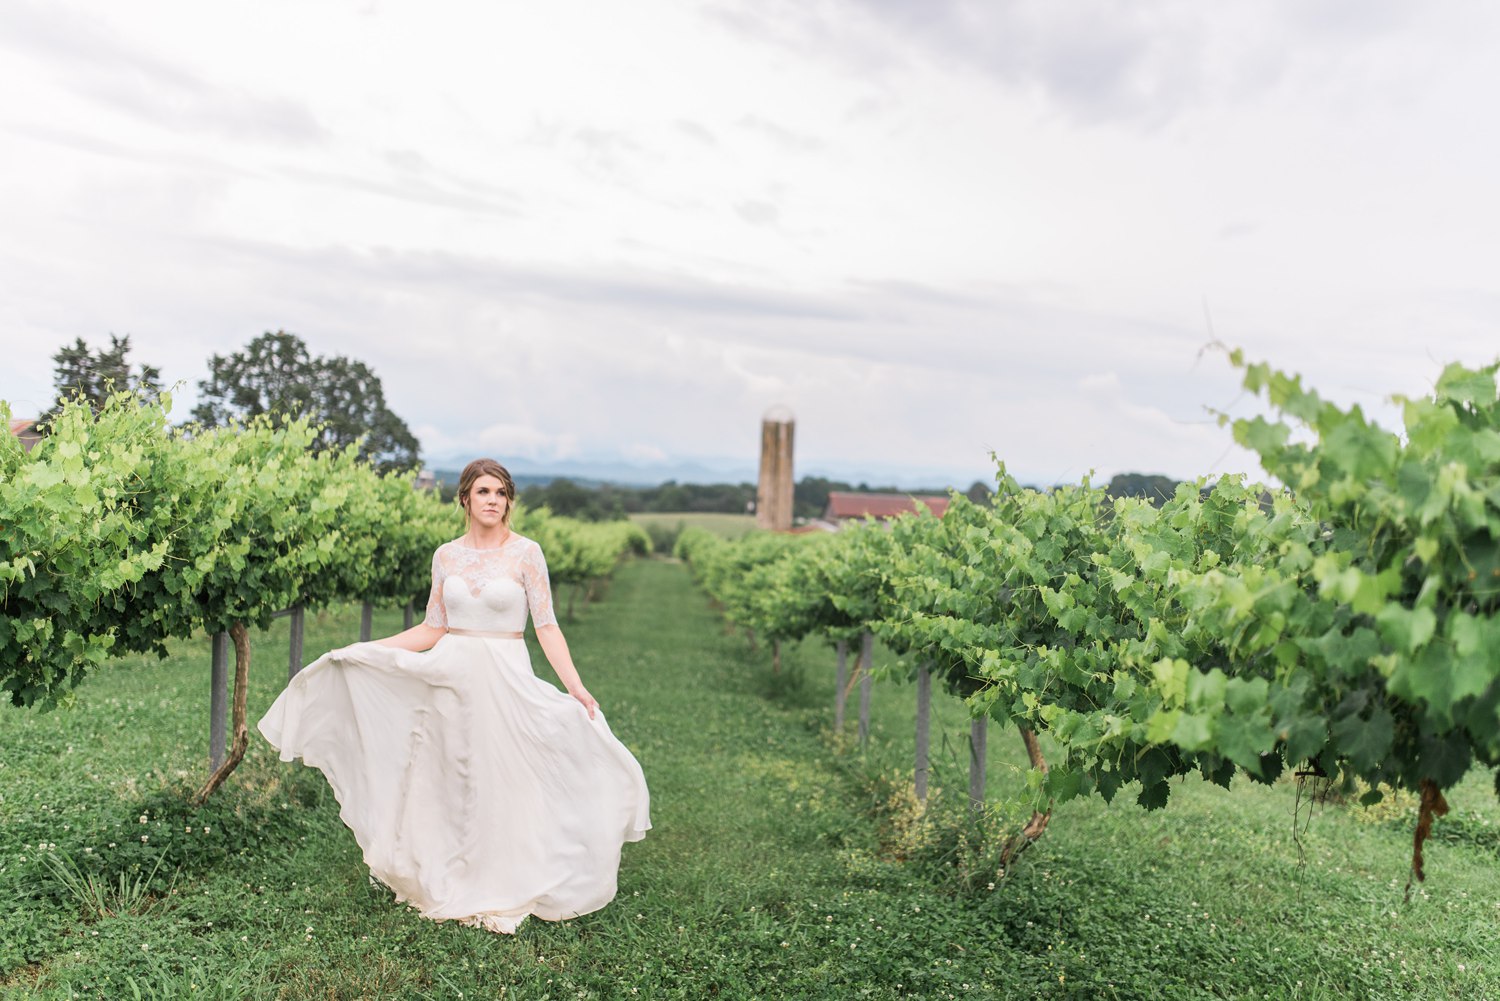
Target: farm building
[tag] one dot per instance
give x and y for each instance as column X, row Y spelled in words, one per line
column 24, row 428
column 844, row 507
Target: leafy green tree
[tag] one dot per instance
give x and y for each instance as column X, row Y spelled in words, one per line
column 276, row 375
column 810, row 495
column 1154, row 488
column 79, row 370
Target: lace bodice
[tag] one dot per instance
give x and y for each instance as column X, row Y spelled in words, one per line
column 490, row 589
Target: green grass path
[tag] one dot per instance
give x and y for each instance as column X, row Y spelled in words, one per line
column 764, row 876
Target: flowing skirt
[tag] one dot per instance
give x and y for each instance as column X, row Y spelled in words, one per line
column 477, row 791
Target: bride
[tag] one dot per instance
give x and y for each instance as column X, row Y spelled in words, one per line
column 477, row 791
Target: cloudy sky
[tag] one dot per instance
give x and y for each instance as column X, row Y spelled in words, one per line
column 602, row 231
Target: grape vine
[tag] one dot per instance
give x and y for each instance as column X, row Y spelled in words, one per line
column 1343, row 624
column 119, row 531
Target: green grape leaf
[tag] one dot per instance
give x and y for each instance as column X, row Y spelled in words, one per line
column 1466, row 385
column 1155, row 795
column 1364, row 741
column 1305, row 737
column 1192, row 732
column 1406, row 628
column 1246, row 696
column 1243, row 739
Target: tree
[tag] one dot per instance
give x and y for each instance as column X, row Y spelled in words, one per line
column 1152, row 487
column 80, row 370
column 276, row 375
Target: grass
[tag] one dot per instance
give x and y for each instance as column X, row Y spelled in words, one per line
column 730, row 526
column 772, row 870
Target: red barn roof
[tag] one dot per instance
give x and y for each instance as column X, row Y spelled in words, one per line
column 879, row 506
column 21, row 428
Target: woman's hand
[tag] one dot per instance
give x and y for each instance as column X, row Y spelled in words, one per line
column 582, row 695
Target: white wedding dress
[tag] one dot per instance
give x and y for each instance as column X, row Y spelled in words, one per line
column 477, row 791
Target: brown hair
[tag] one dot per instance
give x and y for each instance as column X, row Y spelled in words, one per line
column 486, row 467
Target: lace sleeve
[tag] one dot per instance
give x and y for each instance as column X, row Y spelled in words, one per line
column 538, row 588
column 437, row 615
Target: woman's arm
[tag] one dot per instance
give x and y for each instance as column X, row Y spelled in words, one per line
column 556, row 648
column 418, row 637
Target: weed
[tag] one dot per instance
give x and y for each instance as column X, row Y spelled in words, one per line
column 98, row 897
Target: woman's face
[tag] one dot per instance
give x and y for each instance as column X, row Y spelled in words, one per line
column 488, row 504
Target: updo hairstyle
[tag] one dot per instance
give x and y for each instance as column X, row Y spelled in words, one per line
column 487, row 467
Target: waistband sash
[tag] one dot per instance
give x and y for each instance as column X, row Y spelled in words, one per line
column 485, row 634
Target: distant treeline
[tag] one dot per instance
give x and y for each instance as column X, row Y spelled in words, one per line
column 1156, row 489
column 610, row 502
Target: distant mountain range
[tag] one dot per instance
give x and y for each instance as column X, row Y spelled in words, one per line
column 591, row 473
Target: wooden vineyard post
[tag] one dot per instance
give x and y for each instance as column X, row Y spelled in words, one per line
column 407, row 614
column 218, row 701
column 924, row 704
column 776, row 656
column 366, row 621
column 840, row 686
column 979, row 732
column 294, row 643
column 866, row 656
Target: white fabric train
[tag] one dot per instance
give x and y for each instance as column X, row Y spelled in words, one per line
column 477, row 791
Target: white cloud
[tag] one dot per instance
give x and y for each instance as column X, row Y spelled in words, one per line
column 521, row 441
column 930, row 229
column 645, row 454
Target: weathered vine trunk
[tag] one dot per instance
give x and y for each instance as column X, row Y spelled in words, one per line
column 241, row 639
column 1018, row 843
column 840, row 686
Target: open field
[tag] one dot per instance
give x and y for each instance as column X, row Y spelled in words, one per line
column 778, row 866
column 730, row 526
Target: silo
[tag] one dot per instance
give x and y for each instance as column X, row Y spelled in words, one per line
column 773, row 499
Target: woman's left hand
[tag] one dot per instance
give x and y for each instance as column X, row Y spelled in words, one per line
column 582, row 695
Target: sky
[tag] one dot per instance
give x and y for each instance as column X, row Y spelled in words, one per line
column 599, row 232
